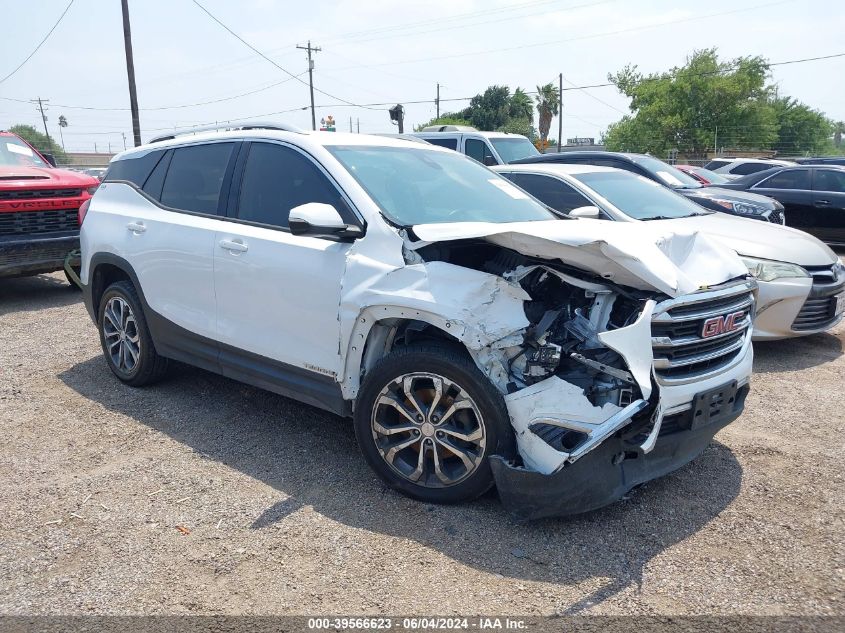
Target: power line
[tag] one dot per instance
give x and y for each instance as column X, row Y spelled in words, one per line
column 49, row 33
column 258, row 52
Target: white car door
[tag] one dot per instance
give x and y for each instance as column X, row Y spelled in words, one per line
column 171, row 244
column 278, row 294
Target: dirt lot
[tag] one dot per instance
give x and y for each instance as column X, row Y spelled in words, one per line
column 281, row 515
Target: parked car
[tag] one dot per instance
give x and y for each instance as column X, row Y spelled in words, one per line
column 39, row 210
column 801, row 282
column 704, row 176
column 488, row 148
column 813, row 195
column 733, row 168
column 472, row 333
column 95, row 172
column 822, row 160
column 715, row 198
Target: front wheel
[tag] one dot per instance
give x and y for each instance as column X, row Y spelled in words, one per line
column 427, row 420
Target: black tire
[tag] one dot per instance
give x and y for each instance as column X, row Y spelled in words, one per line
column 148, row 367
column 452, row 363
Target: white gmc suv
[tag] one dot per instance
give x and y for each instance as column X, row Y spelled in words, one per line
column 566, row 361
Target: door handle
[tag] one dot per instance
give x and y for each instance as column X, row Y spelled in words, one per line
column 136, row 227
column 822, row 203
column 234, row 246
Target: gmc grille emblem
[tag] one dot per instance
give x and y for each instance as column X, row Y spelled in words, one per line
column 722, row 324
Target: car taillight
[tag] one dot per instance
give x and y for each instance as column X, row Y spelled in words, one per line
column 83, row 209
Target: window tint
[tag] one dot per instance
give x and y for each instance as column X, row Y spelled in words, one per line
column 478, row 150
column 829, row 180
column 276, row 179
column 156, row 180
column 448, row 143
column 555, row 193
column 134, row 170
column 743, row 169
column 788, row 179
column 195, row 177
column 715, row 164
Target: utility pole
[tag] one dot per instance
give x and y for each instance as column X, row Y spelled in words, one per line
column 130, row 72
column 41, row 103
column 397, row 116
column 437, row 101
column 358, row 121
column 716, row 142
column 559, row 111
column 123, row 134
column 311, row 49
column 350, row 125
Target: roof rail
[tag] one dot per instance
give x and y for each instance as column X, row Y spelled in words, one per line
column 249, row 125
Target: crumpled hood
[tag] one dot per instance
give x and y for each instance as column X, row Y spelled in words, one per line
column 757, row 239
column 730, row 194
column 635, row 255
column 24, row 175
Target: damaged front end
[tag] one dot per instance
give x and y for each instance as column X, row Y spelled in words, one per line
column 586, row 404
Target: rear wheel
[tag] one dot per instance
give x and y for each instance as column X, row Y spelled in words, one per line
column 125, row 338
column 427, row 420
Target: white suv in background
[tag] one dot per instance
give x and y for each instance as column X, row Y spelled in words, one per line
column 473, row 335
column 734, row 168
column 488, row 148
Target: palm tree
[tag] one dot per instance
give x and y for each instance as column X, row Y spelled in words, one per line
column 62, row 123
column 548, row 102
column 838, row 129
column 521, row 106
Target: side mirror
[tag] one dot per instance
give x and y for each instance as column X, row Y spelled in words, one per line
column 591, row 212
column 49, row 158
column 490, row 161
column 319, row 219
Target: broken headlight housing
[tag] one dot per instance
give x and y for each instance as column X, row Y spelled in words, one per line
column 767, row 270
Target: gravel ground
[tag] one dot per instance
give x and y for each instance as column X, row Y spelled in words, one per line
column 201, row 495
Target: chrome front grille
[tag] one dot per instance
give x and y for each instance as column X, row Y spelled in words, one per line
column 703, row 333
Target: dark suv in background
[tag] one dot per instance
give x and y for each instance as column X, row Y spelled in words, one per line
column 748, row 205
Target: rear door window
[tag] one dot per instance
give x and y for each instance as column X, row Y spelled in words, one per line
column 743, row 169
column 277, row 179
column 195, row 177
column 448, row 143
column 788, row 179
column 716, row 164
column 829, row 180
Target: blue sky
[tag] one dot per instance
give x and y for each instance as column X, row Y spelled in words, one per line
column 378, row 51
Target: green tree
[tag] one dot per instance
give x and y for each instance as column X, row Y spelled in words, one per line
column 521, row 106
column 489, row 110
column 520, row 126
column 40, row 141
column 446, row 119
column 838, row 129
column 800, row 129
column 548, row 103
column 689, row 107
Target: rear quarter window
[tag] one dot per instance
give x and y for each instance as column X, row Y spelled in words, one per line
column 743, row 169
column 133, row 170
column 448, row 143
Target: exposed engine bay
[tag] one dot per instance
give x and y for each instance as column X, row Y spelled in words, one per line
column 567, row 388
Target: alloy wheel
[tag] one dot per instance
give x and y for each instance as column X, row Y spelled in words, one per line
column 120, row 331
column 428, row 429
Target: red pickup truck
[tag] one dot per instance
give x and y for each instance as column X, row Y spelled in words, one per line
column 39, row 209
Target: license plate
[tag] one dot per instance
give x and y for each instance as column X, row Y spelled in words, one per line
column 840, row 304
column 713, row 405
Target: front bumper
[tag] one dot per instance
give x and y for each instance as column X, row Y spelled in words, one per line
column 35, row 255
column 609, row 471
column 788, row 308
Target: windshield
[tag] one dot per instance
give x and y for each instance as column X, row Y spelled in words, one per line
column 511, row 149
column 667, row 174
column 711, row 176
column 638, row 197
column 425, row 186
column 14, row 152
